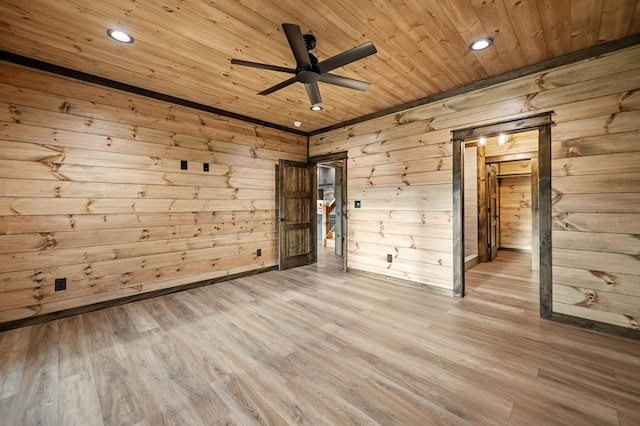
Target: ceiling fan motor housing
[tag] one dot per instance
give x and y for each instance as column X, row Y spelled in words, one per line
column 309, row 41
column 304, row 74
column 307, row 76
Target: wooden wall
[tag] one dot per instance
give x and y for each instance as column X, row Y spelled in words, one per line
column 515, row 211
column 400, row 167
column 91, row 190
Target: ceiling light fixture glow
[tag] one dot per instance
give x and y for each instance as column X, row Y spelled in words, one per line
column 481, row 44
column 120, row 36
column 502, row 139
column 316, row 108
column 482, row 141
column 297, row 123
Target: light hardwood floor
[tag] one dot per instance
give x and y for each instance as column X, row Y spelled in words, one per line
column 314, row 345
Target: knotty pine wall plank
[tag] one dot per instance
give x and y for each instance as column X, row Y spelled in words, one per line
column 14, row 243
column 595, row 145
column 597, row 280
column 596, row 222
column 391, row 240
column 516, row 167
column 515, row 206
column 418, row 217
column 27, row 224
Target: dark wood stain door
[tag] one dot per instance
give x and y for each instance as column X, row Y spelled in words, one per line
column 494, row 210
column 296, row 214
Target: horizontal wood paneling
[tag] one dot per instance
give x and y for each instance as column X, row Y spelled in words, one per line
column 595, row 157
column 91, row 189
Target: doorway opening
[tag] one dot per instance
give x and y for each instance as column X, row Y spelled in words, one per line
column 500, row 177
column 331, row 206
column 504, row 224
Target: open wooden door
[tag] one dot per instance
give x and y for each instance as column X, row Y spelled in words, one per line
column 339, row 212
column 296, row 214
column 494, row 210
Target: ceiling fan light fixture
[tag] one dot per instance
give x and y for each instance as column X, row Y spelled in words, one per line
column 316, row 108
column 119, row 35
column 481, row 44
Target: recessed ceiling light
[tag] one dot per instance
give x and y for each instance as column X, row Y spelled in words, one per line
column 316, row 108
column 481, row 44
column 120, row 36
column 297, row 123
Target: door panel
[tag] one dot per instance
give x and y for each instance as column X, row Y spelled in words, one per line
column 296, row 217
column 494, row 210
column 339, row 211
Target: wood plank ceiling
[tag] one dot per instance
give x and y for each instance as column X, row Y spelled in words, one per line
column 183, row 48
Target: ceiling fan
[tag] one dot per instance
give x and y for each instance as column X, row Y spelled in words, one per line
column 308, row 70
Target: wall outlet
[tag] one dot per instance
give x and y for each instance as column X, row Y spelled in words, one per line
column 259, row 252
column 205, row 167
column 60, row 284
column 183, row 165
column 389, row 258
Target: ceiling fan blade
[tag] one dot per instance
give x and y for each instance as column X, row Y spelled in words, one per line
column 294, row 36
column 278, row 86
column 314, row 93
column 346, row 57
column 344, row 81
column 262, row 66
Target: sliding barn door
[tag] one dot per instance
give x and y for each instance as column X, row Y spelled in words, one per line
column 296, row 214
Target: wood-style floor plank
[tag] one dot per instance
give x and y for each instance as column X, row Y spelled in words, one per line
column 317, row 346
column 77, row 391
column 37, row 402
column 13, row 349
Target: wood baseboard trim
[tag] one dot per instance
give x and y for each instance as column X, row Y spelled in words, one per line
column 516, row 250
column 615, row 330
column 473, row 261
column 24, row 322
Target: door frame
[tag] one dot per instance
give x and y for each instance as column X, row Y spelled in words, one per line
column 327, row 158
column 493, row 210
column 542, row 217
